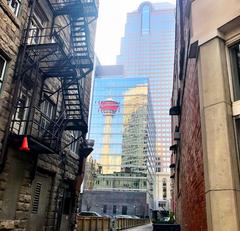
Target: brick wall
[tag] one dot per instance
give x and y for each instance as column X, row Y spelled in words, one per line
column 190, row 189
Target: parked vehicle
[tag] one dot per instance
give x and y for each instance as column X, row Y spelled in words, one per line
column 89, row 214
column 124, row 216
column 135, row 217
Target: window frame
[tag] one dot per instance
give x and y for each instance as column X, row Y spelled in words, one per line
column 2, row 74
column 234, row 71
column 231, row 42
column 13, row 9
column 74, row 146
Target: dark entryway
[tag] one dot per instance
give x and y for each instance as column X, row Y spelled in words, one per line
column 68, row 200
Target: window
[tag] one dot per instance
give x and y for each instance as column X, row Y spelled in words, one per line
column 104, row 208
column 22, row 111
column 75, row 143
column 114, row 209
column 235, row 58
column 3, row 63
column 145, row 20
column 124, row 210
column 15, row 6
column 48, row 109
column 36, row 27
column 161, row 204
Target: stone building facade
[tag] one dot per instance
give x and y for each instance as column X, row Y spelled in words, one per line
column 205, row 116
column 46, row 59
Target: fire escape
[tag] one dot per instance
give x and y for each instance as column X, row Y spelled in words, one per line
column 49, row 95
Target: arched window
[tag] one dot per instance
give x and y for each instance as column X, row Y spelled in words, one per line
column 145, row 19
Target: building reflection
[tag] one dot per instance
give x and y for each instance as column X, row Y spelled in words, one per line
column 119, row 127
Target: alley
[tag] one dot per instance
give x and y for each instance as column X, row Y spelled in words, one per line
column 141, row 228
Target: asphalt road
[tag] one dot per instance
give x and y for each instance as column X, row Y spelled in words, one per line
column 141, row 228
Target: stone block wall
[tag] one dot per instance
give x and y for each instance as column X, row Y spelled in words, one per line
column 10, row 35
column 17, row 178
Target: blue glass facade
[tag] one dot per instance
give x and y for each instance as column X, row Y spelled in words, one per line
column 151, row 53
column 123, row 158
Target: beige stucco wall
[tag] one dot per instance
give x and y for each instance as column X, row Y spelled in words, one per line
column 209, row 15
column 219, row 152
column 212, row 25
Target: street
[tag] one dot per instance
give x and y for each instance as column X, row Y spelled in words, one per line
column 141, row 228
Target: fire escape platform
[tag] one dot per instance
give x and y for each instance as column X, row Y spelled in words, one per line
column 53, row 61
column 78, row 8
column 35, row 145
column 76, row 125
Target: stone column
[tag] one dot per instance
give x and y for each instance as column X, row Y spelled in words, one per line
column 219, row 151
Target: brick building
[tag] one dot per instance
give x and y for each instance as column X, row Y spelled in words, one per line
column 205, row 115
column 46, row 58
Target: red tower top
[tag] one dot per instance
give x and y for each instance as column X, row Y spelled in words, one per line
column 109, row 106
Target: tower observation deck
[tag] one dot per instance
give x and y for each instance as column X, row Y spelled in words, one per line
column 108, row 107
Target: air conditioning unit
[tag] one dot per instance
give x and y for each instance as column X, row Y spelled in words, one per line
column 175, row 110
column 177, row 135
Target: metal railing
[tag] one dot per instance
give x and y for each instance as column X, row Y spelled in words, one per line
column 32, row 121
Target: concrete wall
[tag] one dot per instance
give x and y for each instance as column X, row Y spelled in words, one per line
column 135, row 202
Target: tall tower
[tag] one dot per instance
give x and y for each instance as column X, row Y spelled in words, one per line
column 147, row 50
column 108, row 107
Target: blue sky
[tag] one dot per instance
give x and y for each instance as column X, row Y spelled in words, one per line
column 110, row 26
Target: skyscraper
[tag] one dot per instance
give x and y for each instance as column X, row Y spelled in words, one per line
column 147, row 50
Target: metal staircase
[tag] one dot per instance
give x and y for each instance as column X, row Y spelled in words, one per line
column 63, row 53
column 82, row 52
column 74, row 111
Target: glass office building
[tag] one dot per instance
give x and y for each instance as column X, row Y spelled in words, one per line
column 147, row 49
column 123, row 159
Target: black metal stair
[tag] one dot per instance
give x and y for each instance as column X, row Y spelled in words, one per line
column 81, row 46
column 74, row 111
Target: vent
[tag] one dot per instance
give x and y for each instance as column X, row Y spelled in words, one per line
column 36, row 198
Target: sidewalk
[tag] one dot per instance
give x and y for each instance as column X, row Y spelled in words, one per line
column 141, row 228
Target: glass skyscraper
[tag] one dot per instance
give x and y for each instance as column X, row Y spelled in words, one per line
column 147, row 50
column 123, row 158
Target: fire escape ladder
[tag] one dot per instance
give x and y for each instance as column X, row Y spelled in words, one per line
column 80, row 39
column 75, row 119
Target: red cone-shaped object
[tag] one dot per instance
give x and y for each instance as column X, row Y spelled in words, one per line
column 24, row 146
